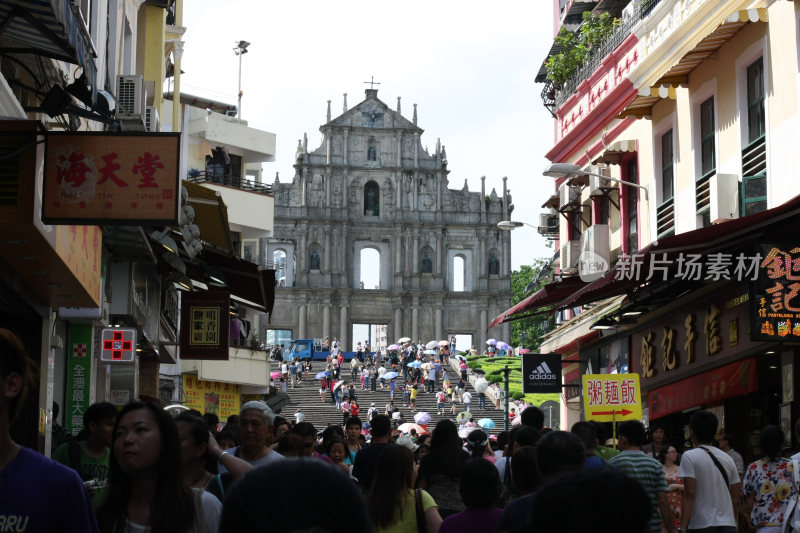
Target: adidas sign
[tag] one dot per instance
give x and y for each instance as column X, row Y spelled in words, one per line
column 542, row 372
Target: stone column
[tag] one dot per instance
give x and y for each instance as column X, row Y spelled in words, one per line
column 399, row 139
column 437, row 268
column 326, row 255
column 438, row 325
column 345, row 153
column 301, row 253
column 344, row 334
column 398, row 254
column 415, row 322
column 398, row 323
column 328, row 142
column 483, row 198
column 326, row 321
column 482, row 256
column 484, row 321
column 301, row 333
column 328, row 187
column 415, row 255
column 416, row 150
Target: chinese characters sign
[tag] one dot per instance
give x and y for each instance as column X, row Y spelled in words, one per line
column 204, row 325
column 111, row 179
column 79, row 364
column 695, row 267
column 612, row 397
column 222, row 399
column 775, row 298
column 727, row 381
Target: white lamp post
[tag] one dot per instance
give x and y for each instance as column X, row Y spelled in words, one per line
column 240, row 50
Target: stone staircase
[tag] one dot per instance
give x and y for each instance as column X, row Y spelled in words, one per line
column 306, row 396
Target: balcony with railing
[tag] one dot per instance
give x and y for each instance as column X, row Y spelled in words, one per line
column 226, row 177
column 555, row 95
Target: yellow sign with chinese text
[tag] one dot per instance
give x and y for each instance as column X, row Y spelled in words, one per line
column 222, row 399
column 612, row 397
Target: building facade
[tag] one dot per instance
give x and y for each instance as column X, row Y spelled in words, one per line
column 439, row 264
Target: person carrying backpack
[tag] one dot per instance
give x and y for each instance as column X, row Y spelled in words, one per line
column 90, row 458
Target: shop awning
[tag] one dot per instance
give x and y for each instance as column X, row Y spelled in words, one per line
column 547, row 295
column 246, row 280
column 211, row 216
column 678, row 75
column 49, row 28
column 614, row 152
column 728, row 236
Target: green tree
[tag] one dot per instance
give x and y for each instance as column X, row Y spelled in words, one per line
column 528, row 332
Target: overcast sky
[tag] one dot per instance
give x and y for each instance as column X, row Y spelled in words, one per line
column 468, row 65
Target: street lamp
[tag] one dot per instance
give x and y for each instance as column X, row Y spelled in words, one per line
column 240, row 50
column 510, row 225
column 565, row 170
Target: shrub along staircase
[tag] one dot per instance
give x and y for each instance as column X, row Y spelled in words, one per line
column 305, row 396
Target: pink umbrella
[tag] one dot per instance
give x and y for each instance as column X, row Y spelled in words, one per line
column 408, row 426
column 523, row 351
column 274, row 375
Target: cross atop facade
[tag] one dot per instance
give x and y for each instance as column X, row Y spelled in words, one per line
column 372, row 82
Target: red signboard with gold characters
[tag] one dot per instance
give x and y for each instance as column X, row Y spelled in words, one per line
column 101, row 178
column 775, row 295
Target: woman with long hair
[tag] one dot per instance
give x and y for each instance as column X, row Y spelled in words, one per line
column 669, row 458
column 200, row 454
column 392, row 501
column 147, row 491
column 440, row 469
column 768, row 486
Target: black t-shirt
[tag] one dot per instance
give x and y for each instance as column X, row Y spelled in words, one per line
column 364, row 464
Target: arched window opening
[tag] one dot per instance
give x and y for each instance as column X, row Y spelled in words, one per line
column 372, row 150
column 313, row 259
column 426, row 262
column 494, row 264
column 370, row 261
column 459, row 273
column 372, row 194
column 279, row 260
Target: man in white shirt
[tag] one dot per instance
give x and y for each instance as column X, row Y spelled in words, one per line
column 299, row 416
column 726, row 445
column 466, row 398
column 335, row 347
column 710, row 498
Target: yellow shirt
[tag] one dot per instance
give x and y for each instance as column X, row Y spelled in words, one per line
column 407, row 522
column 414, row 394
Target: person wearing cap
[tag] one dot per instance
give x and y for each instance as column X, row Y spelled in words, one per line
column 407, row 442
column 372, row 411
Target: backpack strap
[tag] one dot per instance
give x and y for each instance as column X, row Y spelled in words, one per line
column 719, row 466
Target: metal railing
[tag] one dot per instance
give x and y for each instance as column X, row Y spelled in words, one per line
column 227, row 179
column 554, row 97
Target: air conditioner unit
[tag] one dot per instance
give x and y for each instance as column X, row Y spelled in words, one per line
column 548, row 224
column 570, row 252
column 595, row 253
column 599, row 186
column 151, row 122
column 130, row 95
column 724, row 195
column 568, row 197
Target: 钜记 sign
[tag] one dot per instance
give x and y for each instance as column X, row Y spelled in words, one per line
column 612, row 397
column 775, row 296
column 107, row 179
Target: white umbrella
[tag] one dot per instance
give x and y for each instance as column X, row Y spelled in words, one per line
column 429, row 352
column 432, row 345
column 481, row 385
column 338, row 384
column 403, row 339
column 502, row 345
column 422, row 418
column 491, row 342
column 444, row 343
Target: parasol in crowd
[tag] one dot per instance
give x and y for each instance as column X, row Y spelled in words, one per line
column 274, row 375
column 321, row 375
column 502, row 345
column 491, row 342
column 467, row 415
column 429, row 352
column 444, row 343
column 393, row 347
column 390, row 375
column 338, row 384
column 464, row 432
column 486, row 423
column 432, row 345
column 403, row 340
column 427, row 366
column 415, row 364
column 481, row 385
column 523, row 351
column 408, row 426
column 422, row 418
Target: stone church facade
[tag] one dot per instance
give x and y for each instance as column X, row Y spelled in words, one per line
column 372, row 185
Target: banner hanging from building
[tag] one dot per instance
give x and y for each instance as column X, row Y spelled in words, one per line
column 222, row 399
column 205, row 322
column 107, row 179
column 775, row 294
column 541, row 373
column 735, row 379
column 79, row 365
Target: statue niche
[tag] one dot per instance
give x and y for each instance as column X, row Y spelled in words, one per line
column 427, row 264
column 494, row 265
column 313, row 260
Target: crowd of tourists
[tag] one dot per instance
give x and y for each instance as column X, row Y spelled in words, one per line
column 139, row 470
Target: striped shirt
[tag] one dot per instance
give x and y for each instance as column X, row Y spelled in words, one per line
column 649, row 473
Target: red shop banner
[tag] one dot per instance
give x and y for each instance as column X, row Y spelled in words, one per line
column 726, row 381
column 111, row 179
column 205, row 325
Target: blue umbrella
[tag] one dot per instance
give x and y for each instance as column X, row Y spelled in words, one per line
column 321, row 375
column 415, row 364
column 390, row 375
column 486, row 423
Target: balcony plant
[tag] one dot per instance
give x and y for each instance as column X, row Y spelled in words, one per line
column 577, row 47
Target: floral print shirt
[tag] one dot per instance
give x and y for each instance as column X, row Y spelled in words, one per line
column 771, row 484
